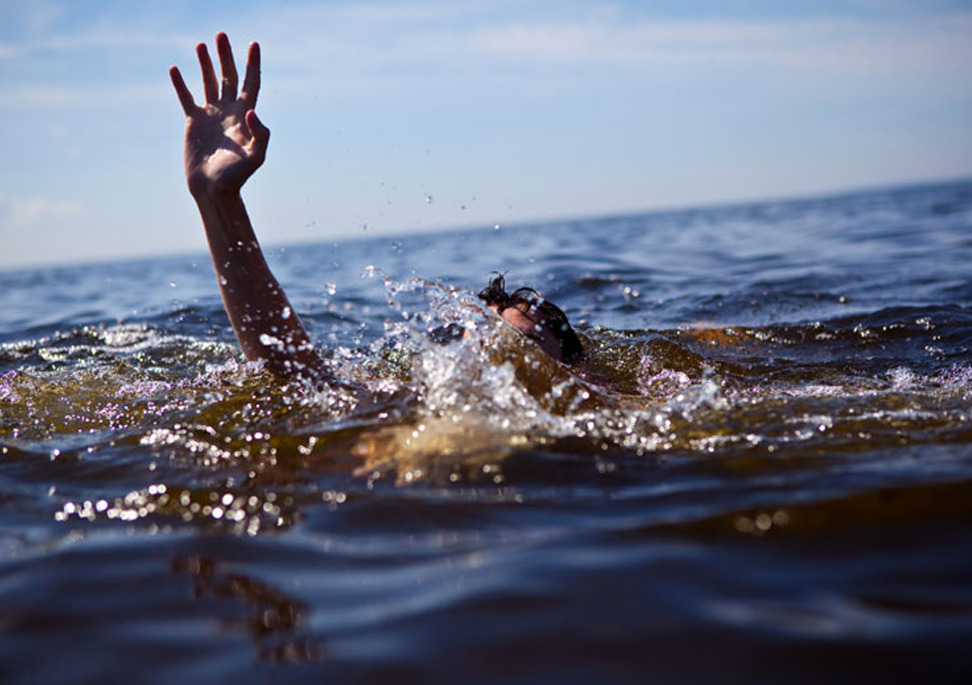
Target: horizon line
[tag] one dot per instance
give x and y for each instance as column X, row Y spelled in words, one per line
column 659, row 210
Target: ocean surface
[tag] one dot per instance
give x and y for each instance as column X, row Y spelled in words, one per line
column 761, row 473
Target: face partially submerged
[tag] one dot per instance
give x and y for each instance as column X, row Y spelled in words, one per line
column 539, row 320
column 530, row 325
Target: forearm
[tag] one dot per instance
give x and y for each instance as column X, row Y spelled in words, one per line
column 265, row 324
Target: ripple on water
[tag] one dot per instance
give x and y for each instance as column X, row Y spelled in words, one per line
column 765, row 452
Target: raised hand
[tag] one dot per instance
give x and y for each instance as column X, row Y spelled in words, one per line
column 225, row 144
column 225, row 141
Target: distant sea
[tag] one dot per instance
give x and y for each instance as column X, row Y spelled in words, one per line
column 761, row 472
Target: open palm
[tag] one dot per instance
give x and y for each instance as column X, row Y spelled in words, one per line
column 225, row 141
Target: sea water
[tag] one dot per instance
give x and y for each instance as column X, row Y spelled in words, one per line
column 761, row 472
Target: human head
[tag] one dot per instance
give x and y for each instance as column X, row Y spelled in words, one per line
column 543, row 322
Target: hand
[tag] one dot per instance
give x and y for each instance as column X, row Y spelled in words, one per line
column 225, row 141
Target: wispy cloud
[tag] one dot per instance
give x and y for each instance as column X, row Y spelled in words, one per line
column 18, row 214
column 374, row 46
column 25, row 97
column 374, row 40
column 114, row 39
column 831, row 45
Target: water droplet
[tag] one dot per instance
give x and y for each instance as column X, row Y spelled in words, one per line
column 764, row 522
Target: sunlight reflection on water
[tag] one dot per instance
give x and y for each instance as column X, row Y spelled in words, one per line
column 765, row 451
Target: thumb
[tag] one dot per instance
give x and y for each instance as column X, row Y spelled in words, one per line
column 260, row 132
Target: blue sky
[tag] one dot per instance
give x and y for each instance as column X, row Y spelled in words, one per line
column 393, row 117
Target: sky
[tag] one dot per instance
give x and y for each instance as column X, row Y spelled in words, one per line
column 400, row 117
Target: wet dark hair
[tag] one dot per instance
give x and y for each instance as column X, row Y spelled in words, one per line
column 550, row 315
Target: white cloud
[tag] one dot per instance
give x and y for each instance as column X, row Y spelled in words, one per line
column 115, row 39
column 391, row 47
column 20, row 214
column 56, row 96
column 37, row 16
column 376, row 39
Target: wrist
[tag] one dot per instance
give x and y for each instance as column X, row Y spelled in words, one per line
column 205, row 190
column 224, row 218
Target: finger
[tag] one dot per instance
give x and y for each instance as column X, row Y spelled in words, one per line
column 185, row 97
column 228, row 65
column 210, row 87
column 261, row 137
column 261, row 134
column 251, row 82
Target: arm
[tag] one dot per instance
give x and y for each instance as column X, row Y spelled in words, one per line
column 226, row 143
